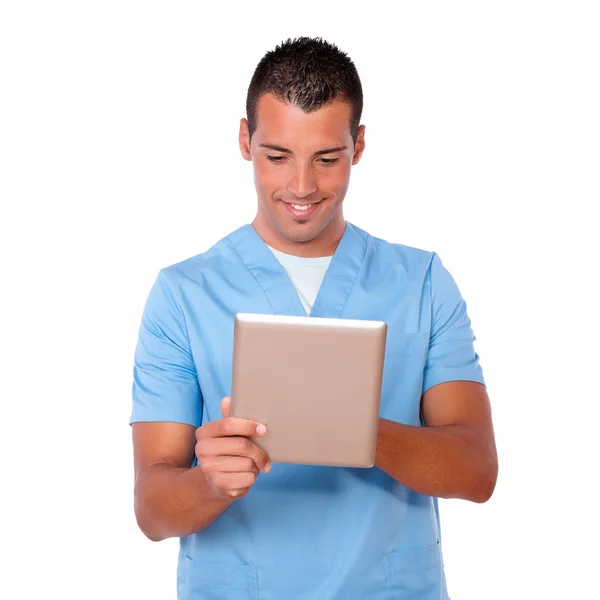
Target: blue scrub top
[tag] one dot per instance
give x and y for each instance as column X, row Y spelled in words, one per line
column 307, row 532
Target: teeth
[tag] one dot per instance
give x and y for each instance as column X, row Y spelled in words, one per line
column 299, row 207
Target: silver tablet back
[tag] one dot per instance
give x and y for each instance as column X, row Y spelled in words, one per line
column 314, row 382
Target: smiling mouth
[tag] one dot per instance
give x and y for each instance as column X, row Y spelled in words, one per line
column 301, row 211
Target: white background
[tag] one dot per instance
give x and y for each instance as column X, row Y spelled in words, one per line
column 118, row 156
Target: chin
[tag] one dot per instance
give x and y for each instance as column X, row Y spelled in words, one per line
column 297, row 230
column 299, row 233
column 302, row 238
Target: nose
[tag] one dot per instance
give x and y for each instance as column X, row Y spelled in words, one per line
column 303, row 183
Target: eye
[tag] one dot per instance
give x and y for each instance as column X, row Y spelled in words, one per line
column 328, row 161
column 276, row 159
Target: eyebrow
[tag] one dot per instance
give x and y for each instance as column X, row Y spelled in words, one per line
column 318, row 152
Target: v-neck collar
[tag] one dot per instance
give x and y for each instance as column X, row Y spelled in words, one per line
column 276, row 285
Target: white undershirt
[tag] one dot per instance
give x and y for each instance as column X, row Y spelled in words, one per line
column 306, row 275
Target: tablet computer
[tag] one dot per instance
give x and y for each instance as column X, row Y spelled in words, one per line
column 314, row 382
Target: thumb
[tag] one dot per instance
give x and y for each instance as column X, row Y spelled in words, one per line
column 225, row 406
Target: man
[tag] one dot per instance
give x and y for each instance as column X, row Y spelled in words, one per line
column 251, row 529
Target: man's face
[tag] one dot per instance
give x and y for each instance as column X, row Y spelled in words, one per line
column 302, row 164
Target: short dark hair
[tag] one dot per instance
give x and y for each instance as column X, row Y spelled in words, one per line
column 309, row 73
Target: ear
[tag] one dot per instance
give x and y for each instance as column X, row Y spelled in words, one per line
column 360, row 145
column 244, row 139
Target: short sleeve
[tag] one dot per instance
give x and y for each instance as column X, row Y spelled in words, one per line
column 165, row 382
column 451, row 355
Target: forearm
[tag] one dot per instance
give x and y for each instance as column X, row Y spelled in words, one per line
column 173, row 501
column 449, row 461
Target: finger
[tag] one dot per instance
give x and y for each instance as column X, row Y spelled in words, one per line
column 228, row 493
column 232, row 482
column 229, row 464
column 233, row 446
column 237, row 494
column 230, row 426
column 226, row 406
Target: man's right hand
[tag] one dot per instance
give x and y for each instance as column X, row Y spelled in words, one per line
column 230, row 460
